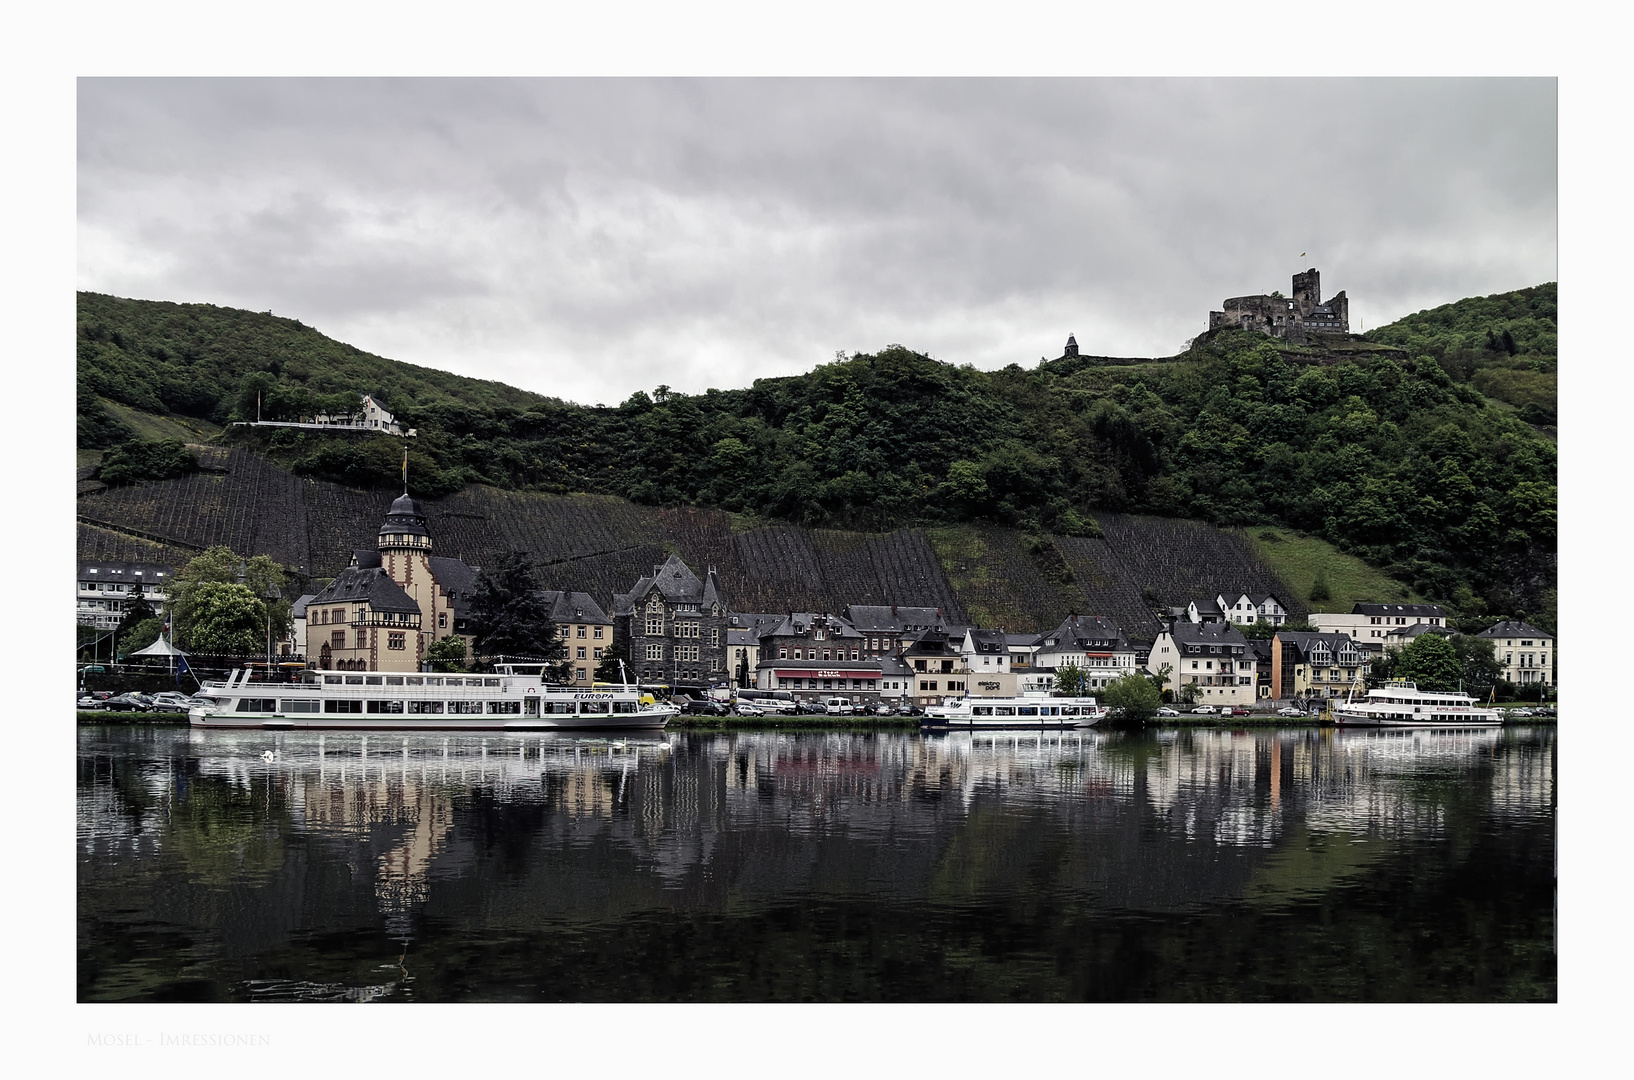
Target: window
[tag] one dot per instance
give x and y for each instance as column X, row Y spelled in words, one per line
column 581, row 631
column 394, row 640
column 579, row 653
column 655, row 626
column 782, row 654
column 362, row 639
column 442, row 619
column 597, row 634
column 597, row 652
column 581, row 674
column 655, row 652
column 714, row 636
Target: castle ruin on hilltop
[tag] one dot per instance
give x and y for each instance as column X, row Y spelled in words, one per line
column 1290, row 319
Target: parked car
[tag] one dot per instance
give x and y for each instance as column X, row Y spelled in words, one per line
column 126, row 703
column 748, row 708
column 1289, row 710
column 1167, row 711
column 837, row 706
column 1205, row 710
column 906, row 709
column 170, row 701
column 1240, row 710
column 883, row 710
column 694, row 707
column 86, row 701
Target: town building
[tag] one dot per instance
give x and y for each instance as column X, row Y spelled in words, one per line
column 1306, row 664
column 1369, row 625
column 938, row 666
column 104, row 590
column 985, row 652
column 382, row 611
column 297, row 619
column 1526, row 653
column 676, row 625
column 583, row 628
column 1244, row 609
column 743, row 630
column 1214, row 656
column 1090, row 642
column 1293, row 319
column 814, row 655
column 885, row 628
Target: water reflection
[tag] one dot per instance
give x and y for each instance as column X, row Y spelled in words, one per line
column 336, row 866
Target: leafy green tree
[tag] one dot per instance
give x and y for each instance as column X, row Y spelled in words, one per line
column 1132, row 699
column 135, row 461
column 139, row 635
column 447, row 654
column 608, row 670
column 137, row 612
column 1189, row 693
column 509, row 617
column 1431, row 662
column 1070, row 681
column 1319, row 588
column 219, row 565
column 226, row 618
column 1477, row 662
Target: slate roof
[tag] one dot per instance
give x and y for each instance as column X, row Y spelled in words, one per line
column 893, row 618
column 457, row 578
column 404, row 517
column 798, row 624
column 1083, row 632
column 990, row 641
column 1510, row 628
column 1416, row 610
column 107, row 570
column 366, row 558
column 573, row 607
column 1216, row 633
column 372, row 586
column 297, row 610
column 1303, row 640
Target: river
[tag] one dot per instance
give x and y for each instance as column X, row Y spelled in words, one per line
column 1172, row 866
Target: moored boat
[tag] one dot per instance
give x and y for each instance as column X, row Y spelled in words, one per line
column 512, row 697
column 1027, row 711
column 1400, row 703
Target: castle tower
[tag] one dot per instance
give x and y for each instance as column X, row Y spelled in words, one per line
column 1072, row 346
column 1307, row 292
column 405, row 554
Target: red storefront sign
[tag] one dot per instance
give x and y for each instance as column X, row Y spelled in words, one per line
column 826, row 673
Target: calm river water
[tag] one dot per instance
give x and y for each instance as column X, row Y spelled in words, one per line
column 1292, row 865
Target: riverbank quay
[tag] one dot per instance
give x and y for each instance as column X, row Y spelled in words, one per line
column 132, row 717
column 793, row 723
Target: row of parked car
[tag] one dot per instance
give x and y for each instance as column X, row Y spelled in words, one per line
column 165, row 701
column 1227, row 710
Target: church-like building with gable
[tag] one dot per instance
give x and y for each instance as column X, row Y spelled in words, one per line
column 382, row 611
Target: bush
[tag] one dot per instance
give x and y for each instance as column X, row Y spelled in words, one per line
column 136, row 461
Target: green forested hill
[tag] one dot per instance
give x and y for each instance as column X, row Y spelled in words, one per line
column 1393, row 456
column 1503, row 345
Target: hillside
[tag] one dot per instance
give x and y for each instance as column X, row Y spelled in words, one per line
column 1504, row 345
column 601, row 545
column 1375, row 448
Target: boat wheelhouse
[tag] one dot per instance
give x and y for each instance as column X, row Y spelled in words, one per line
column 512, row 697
column 1400, row 703
column 1027, row 711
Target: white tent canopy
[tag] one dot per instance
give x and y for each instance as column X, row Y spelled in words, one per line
column 161, row 647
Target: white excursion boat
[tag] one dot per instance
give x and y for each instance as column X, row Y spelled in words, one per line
column 1027, row 711
column 1400, row 703
column 512, row 697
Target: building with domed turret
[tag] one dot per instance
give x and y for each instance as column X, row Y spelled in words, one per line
column 382, row 611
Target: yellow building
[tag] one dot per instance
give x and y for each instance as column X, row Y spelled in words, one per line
column 585, row 631
column 382, row 611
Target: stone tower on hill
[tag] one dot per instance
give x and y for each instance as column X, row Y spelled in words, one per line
column 1292, row 319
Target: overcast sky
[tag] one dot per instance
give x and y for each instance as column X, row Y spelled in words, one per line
column 588, row 238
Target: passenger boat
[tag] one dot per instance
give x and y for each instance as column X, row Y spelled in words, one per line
column 1401, row 704
column 512, row 697
column 1027, row 711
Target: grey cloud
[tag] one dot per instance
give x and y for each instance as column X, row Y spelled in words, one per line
column 595, row 233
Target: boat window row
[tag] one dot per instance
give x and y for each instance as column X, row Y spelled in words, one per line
column 394, row 707
column 410, row 680
column 1445, row 702
column 1029, row 710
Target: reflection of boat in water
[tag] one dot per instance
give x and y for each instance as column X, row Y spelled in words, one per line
column 512, row 698
column 1401, row 704
column 1027, row 712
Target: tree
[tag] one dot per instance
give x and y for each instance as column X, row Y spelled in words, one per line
column 447, row 654
column 510, row 618
column 137, row 613
column 1431, row 662
column 1133, row 700
column 1070, row 680
column 220, row 566
column 227, row 618
column 1477, row 663
column 608, row 670
column 1319, row 587
column 134, row 461
column 1189, row 693
column 139, row 635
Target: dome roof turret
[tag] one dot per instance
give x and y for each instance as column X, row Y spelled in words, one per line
column 405, row 519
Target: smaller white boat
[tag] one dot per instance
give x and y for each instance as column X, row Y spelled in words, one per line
column 1399, row 703
column 1027, row 711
